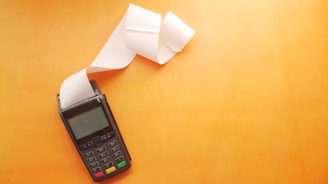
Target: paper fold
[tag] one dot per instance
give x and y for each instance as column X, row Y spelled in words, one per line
column 140, row 32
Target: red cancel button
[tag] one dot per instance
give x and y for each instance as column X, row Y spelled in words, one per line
column 99, row 174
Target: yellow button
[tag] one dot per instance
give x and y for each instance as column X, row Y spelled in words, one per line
column 110, row 170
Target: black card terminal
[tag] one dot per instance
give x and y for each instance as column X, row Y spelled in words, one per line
column 94, row 132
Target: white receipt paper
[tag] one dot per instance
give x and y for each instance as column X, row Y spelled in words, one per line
column 140, row 32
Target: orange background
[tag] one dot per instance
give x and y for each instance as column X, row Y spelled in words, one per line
column 245, row 102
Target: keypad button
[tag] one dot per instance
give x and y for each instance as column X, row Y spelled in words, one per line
column 113, row 143
column 121, row 164
column 96, row 169
column 115, row 148
column 92, row 159
column 119, row 159
column 83, row 146
column 101, row 149
column 109, row 164
column 93, row 164
column 99, row 174
column 97, row 140
column 107, row 159
column 101, row 155
column 89, row 154
column 103, row 137
column 111, row 169
column 110, row 135
column 90, row 144
column 116, row 154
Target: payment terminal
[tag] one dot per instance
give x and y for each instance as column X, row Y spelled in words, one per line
column 94, row 132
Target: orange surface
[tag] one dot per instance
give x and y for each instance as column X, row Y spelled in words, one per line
column 245, row 102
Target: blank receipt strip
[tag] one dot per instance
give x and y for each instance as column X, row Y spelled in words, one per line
column 140, row 32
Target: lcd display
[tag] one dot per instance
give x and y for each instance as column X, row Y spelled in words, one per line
column 88, row 122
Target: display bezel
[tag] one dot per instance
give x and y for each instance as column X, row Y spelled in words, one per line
column 88, row 123
column 84, row 108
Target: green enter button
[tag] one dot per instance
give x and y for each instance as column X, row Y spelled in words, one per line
column 121, row 164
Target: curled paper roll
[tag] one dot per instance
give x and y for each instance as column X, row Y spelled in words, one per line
column 140, row 32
